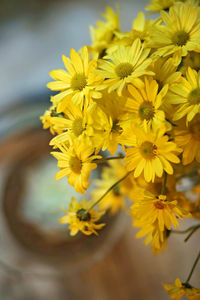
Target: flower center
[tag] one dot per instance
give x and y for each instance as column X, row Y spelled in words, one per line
column 159, row 205
column 124, row 70
column 83, row 215
column 75, row 164
column 180, row 38
column 77, row 126
column 195, row 130
column 194, row 97
column 146, row 111
column 116, row 127
column 78, row 82
column 148, row 150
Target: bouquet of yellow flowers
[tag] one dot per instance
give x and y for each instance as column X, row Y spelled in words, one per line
column 136, row 96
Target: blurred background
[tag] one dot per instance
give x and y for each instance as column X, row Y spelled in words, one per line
column 38, row 260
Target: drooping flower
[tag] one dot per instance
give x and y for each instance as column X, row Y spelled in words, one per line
column 81, row 219
column 178, row 289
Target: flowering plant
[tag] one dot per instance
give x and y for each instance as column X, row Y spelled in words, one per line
column 137, row 95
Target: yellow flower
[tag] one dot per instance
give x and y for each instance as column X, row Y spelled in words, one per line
column 188, row 138
column 78, row 124
column 165, row 72
column 158, row 5
column 177, row 290
column 103, row 34
column 180, row 34
column 123, row 66
column 141, row 29
column 187, row 95
column 145, row 104
column 76, row 162
column 77, row 83
column 111, row 120
column 48, row 120
column 149, row 209
column 80, row 219
column 192, row 60
column 150, row 153
column 155, row 237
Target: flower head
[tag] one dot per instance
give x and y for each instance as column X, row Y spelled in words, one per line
column 123, row 66
column 186, row 94
column 76, row 162
column 77, row 83
column 80, row 219
column 177, row 290
column 180, row 34
column 150, row 153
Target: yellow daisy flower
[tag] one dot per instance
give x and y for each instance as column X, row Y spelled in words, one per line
column 187, row 95
column 180, row 34
column 111, row 120
column 188, row 138
column 153, row 236
column 77, row 82
column 150, row 153
column 48, row 120
column 158, row 5
column 76, row 162
column 149, row 209
column 192, row 60
column 141, row 29
column 145, row 104
column 80, row 219
column 123, row 66
column 103, row 34
column 165, row 72
column 177, row 290
column 76, row 125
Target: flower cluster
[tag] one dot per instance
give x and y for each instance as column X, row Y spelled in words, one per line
column 131, row 100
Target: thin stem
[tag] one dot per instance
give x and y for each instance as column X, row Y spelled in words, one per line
column 193, row 267
column 104, row 159
column 110, row 189
column 186, row 230
column 191, row 233
column 163, row 190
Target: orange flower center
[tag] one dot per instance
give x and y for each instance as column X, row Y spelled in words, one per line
column 123, row 70
column 159, row 205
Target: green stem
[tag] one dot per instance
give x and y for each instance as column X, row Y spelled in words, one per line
column 104, row 159
column 163, row 190
column 193, row 267
column 110, row 189
column 191, row 233
column 186, row 230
